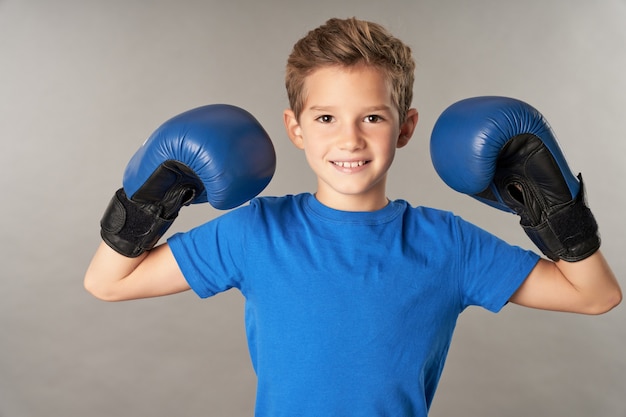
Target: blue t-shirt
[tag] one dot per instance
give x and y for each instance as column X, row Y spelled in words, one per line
column 349, row 313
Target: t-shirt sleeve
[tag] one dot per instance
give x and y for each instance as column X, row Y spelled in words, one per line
column 210, row 256
column 491, row 269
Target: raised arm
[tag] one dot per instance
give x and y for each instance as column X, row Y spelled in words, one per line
column 587, row 286
column 114, row 277
column 502, row 152
column 217, row 153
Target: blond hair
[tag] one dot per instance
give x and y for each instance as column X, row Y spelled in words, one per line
column 351, row 42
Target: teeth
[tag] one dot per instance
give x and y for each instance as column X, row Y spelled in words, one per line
column 349, row 164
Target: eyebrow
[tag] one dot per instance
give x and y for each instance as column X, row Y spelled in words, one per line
column 382, row 107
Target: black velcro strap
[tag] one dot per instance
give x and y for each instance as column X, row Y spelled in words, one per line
column 570, row 232
column 129, row 228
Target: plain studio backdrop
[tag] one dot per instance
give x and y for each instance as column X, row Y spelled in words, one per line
column 84, row 83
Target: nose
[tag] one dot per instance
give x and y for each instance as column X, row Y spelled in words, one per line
column 350, row 138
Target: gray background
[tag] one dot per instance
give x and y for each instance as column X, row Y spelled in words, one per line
column 83, row 83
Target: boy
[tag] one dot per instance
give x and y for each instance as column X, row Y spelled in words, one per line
column 351, row 299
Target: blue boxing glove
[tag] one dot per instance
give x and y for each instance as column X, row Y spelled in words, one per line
column 503, row 152
column 216, row 153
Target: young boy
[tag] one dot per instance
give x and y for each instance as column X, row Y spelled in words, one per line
column 351, row 299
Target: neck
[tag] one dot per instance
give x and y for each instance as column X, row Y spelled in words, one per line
column 352, row 203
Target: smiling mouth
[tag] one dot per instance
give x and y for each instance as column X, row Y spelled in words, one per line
column 351, row 164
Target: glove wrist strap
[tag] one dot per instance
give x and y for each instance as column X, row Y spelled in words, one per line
column 130, row 228
column 570, row 232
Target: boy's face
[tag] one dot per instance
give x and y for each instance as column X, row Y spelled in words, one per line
column 349, row 131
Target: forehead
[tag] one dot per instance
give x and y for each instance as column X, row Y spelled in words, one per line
column 342, row 85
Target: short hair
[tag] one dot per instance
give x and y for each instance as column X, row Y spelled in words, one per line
column 350, row 42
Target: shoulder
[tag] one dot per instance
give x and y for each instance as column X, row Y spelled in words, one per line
column 446, row 220
column 451, row 230
column 429, row 217
column 272, row 206
column 277, row 202
column 261, row 212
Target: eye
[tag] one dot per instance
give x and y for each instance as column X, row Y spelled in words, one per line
column 326, row 118
column 373, row 118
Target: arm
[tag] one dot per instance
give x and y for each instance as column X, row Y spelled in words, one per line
column 588, row 286
column 113, row 277
column 503, row 152
column 218, row 154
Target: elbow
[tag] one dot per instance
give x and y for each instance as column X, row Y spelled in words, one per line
column 614, row 301
column 608, row 303
column 97, row 290
column 94, row 290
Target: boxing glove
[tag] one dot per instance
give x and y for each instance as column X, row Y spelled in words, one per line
column 216, row 153
column 503, row 152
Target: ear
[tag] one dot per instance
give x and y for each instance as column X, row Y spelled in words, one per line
column 293, row 128
column 408, row 127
